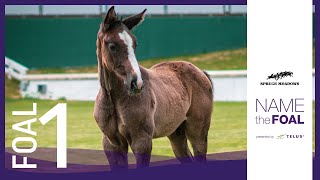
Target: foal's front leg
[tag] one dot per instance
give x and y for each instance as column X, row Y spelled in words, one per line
column 117, row 155
column 141, row 146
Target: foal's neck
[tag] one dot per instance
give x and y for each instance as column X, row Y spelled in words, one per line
column 114, row 85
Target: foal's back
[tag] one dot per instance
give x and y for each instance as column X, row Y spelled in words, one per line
column 190, row 76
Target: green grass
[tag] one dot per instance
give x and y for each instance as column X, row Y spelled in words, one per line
column 217, row 60
column 220, row 60
column 228, row 131
column 12, row 88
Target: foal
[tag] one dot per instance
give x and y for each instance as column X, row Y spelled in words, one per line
column 135, row 105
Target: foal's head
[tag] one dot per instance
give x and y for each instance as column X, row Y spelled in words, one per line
column 116, row 47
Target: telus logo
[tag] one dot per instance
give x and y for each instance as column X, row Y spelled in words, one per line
column 290, row 136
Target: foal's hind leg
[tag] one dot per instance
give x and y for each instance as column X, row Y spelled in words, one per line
column 197, row 134
column 179, row 145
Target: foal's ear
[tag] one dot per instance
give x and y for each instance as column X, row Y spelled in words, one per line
column 110, row 18
column 132, row 21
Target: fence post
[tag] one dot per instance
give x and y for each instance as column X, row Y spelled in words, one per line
column 40, row 9
column 224, row 9
column 100, row 9
column 165, row 8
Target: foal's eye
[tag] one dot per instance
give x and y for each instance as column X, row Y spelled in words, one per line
column 112, row 47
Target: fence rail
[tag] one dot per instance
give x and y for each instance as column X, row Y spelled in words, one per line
column 14, row 69
column 44, row 10
column 227, row 73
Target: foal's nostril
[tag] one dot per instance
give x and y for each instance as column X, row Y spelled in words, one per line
column 134, row 85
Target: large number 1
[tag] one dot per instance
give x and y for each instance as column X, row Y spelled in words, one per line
column 60, row 110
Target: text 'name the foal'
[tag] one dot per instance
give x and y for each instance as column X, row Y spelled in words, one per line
column 282, row 111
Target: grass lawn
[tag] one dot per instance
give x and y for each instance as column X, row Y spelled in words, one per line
column 228, row 131
column 12, row 88
column 219, row 60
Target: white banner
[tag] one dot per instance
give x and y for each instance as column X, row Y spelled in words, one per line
column 279, row 89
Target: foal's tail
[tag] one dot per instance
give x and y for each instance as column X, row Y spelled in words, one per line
column 212, row 88
column 208, row 76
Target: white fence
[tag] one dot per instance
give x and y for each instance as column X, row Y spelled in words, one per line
column 14, row 69
column 121, row 9
column 229, row 85
column 60, row 86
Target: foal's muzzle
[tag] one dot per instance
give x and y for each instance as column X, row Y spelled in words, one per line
column 134, row 86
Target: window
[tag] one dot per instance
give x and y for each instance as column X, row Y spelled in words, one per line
column 42, row 88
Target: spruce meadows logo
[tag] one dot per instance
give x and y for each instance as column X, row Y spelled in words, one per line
column 280, row 75
column 274, row 77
